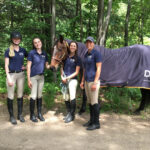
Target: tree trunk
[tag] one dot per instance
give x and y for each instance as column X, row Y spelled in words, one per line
column 11, row 16
column 53, row 20
column 81, row 22
column 141, row 33
column 141, row 23
column 89, row 24
column 42, row 8
column 127, row 23
column 100, row 14
column 103, row 23
column 42, row 20
column 47, row 5
column 75, row 20
column 77, row 7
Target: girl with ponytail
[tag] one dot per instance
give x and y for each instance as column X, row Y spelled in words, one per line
column 14, row 68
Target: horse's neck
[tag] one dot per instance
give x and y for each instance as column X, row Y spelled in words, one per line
column 81, row 49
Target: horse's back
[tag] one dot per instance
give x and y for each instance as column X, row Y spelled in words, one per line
column 126, row 66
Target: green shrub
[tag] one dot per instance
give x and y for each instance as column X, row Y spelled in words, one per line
column 49, row 92
column 120, row 99
column 2, row 80
column 27, row 90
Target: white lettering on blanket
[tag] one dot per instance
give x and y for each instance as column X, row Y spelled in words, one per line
column 147, row 73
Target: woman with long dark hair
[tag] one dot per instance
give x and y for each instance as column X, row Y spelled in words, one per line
column 69, row 72
column 37, row 61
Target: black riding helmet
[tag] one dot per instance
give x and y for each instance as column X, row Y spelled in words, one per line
column 15, row 34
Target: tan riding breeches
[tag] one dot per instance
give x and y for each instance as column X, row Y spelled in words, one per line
column 37, row 86
column 92, row 96
column 71, row 92
column 18, row 81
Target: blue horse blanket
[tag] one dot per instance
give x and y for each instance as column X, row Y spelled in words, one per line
column 123, row 67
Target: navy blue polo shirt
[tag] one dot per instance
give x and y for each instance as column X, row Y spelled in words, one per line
column 16, row 62
column 89, row 64
column 70, row 65
column 38, row 62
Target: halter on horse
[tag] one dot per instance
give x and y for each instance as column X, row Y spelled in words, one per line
column 60, row 52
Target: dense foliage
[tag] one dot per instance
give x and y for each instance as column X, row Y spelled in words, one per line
column 75, row 19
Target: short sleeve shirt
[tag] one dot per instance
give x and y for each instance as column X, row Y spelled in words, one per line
column 38, row 62
column 89, row 64
column 16, row 62
column 70, row 65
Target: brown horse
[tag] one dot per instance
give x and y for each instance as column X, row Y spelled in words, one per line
column 121, row 67
column 60, row 52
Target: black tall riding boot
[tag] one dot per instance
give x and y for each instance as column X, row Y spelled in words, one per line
column 91, row 117
column 71, row 115
column 10, row 110
column 32, row 106
column 96, row 123
column 39, row 109
column 83, row 106
column 67, row 103
column 20, row 108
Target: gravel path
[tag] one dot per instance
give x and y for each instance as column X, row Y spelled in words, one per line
column 118, row 132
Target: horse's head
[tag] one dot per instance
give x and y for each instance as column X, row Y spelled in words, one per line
column 60, row 52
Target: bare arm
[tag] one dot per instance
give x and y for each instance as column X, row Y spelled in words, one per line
column 6, row 66
column 62, row 73
column 29, row 63
column 63, row 78
column 7, row 72
column 82, row 81
column 75, row 73
column 98, row 72
column 97, row 75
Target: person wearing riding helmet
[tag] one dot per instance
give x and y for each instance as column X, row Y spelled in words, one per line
column 69, row 72
column 37, row 61
column 91, row 81
column 14, row 68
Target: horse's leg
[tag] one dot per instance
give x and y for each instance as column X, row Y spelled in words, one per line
column 145, row 97
column 83, row 106
column 84, row 98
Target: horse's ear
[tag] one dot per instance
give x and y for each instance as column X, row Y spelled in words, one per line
column 61, row 38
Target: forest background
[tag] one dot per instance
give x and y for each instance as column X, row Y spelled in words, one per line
column 113, row 23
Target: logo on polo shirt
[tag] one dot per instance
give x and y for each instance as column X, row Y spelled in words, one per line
column 72, row 60
column 21, row 54
column 89, row 56
column 43, row 56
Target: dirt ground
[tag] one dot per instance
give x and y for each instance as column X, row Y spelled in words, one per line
column 118, row 132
